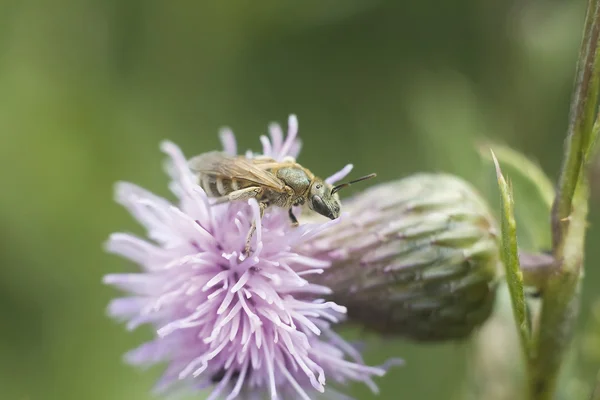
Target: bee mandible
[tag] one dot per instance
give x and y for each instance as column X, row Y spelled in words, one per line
column 282, row 184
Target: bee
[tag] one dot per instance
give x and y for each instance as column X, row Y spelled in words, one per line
column 282, row 184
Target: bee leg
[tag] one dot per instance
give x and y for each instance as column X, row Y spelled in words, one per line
column 293, row 217
column 262, row 206
column 242, row 194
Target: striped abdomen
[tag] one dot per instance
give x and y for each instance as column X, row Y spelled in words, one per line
column 218, row 187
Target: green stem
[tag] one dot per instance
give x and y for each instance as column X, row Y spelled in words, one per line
column 560, row 306
column 581, row 119
column 560, row 301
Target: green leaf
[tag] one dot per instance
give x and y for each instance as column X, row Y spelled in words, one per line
column 535, row 194
column 510, row 258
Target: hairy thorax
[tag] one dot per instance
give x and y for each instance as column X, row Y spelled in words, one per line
column 297, row 182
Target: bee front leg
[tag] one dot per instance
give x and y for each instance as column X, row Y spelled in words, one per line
column 262, row 206
column 293, row 218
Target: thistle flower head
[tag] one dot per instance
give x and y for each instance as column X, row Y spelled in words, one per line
column 417, row 257
column 241, row 326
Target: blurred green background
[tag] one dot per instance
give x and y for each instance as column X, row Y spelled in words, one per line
column 89, row 88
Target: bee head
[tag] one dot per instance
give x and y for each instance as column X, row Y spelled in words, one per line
column 324, row 200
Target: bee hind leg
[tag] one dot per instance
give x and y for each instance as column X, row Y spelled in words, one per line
column 241, row 194
column 293, row 217
column 262, row 206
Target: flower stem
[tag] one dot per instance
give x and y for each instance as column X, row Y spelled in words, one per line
column 560, row 301
column 581, row 119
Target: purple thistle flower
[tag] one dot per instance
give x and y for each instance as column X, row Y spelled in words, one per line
column 243, row 327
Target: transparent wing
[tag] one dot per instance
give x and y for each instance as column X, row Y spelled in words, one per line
column 234, row 167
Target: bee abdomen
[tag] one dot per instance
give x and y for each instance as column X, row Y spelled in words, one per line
column 217, row 187
column 205, row 182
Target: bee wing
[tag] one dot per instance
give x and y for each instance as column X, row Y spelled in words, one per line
column 270, row 163
column 232, row 167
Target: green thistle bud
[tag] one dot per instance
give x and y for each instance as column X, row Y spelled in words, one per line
column 417, row 257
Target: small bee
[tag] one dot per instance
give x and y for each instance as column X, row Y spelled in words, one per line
column 282, row 184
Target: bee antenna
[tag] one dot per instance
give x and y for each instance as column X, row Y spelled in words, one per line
column 337, row 188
